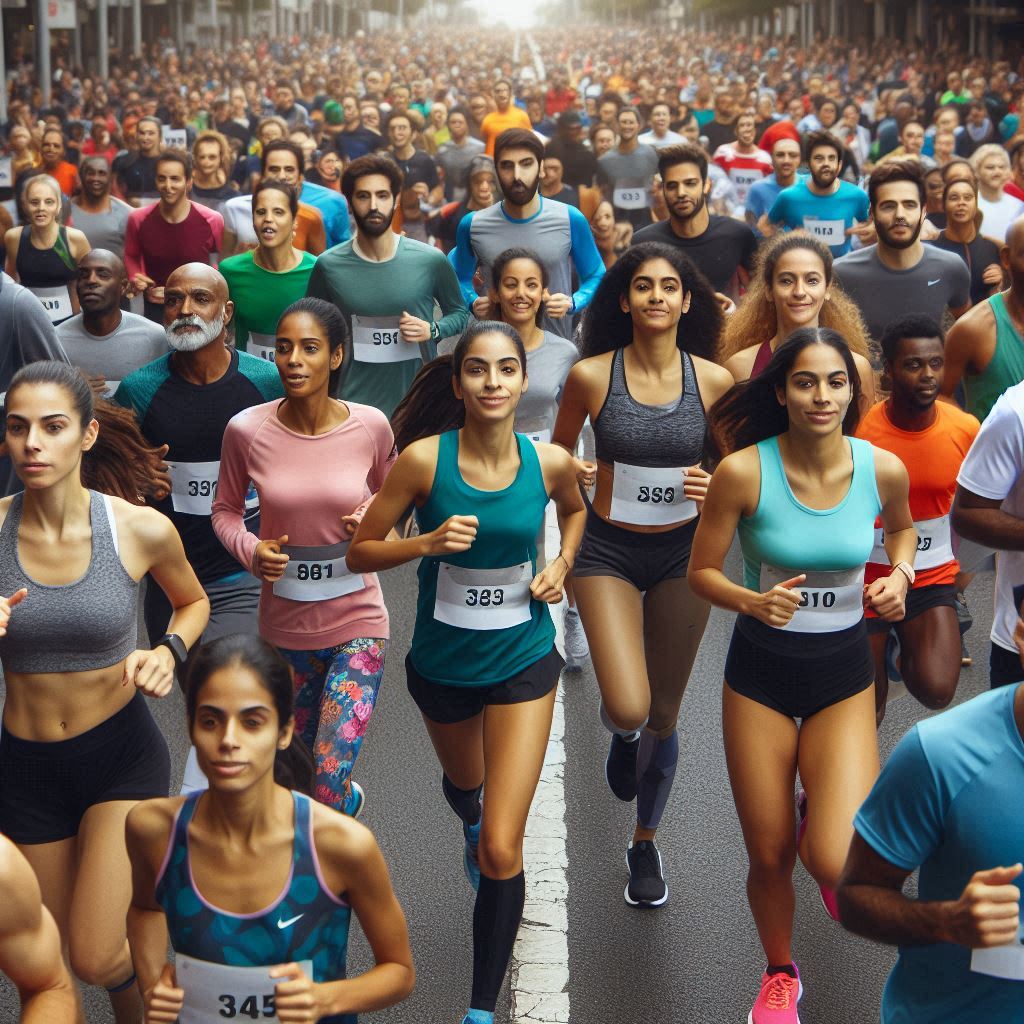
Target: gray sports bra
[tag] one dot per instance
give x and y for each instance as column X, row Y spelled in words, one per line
column 71, row 627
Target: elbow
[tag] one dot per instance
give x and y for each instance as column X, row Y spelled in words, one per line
column 354, row 559
column 408, row 981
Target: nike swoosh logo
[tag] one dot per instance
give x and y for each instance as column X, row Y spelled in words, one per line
column 936, row 281
column 289, row 922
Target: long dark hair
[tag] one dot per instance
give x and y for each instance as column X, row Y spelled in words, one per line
column 329, row 317
column 751, row 411
column 430, row 406
column 606, row 328
column 121, row 462
column 293, row 767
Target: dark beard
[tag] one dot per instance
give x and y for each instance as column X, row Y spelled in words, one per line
column 373, row 229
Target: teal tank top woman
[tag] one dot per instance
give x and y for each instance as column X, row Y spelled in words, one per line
column 476, row 621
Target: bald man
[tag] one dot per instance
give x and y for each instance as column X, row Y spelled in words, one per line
column 30, row 945
column 985, row 347
column 104, row 341
column 184, row 400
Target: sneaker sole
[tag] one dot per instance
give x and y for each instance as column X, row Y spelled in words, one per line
column 643, row 903
column 362, row 800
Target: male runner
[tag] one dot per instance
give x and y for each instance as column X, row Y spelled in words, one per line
column 742, row 160
column 101, row 217
column 135, row 171
column 626, row 172
column 785, row 156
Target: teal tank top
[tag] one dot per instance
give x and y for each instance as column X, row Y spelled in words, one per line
column 476, row 623
column 1005, row 369
column 786, row 534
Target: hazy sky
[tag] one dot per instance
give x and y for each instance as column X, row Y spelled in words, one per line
column 518, row 13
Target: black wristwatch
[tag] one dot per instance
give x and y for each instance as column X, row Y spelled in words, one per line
column 177, row 647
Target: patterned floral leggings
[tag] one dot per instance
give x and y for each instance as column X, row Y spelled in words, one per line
column 335, row 692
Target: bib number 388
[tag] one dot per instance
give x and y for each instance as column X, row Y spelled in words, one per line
column 217, row 992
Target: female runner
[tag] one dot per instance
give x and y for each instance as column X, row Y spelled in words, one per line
column 43, row 255
column 78, row 745
column 264, row 281
column 804, row 497
column 483, row 667
column 793, row 288
column 305, row 868
column 329, row 624
column 648, row 338
column 961, row 236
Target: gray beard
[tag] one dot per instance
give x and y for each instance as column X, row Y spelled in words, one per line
column 194, row 340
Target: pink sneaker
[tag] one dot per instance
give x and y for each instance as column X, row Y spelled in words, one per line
column 828, row 897
column 776, row 1002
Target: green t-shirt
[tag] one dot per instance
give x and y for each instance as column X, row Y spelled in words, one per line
column 260, row 297
column 372, row 296
column 954, row 97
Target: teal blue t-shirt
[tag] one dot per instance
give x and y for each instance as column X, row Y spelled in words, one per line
column 827, row 218
column 949, row 801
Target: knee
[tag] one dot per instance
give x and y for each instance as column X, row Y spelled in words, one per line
column 931, row 684
column 773, row 861
column 629, row 716
column 501, row 856
column 94, row 965
column 824, row 864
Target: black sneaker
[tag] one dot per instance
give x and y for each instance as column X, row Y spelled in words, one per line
column 620, row 766
column 646, row 886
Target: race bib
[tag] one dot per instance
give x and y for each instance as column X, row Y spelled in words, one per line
column 110, row 387
column 829, row 601
column 934, row 544
column 6, row 177
column 56, row 302
column 483, row 598
column 174, row 138
column 630, row 198
column 1001, row 961
column 743, row 178
column 215, row 992
column 645, row 496
column 317, row 574
column 831, row 232
column 538, row 436
column 193, row 486
column 263, row 346
column 376, row 339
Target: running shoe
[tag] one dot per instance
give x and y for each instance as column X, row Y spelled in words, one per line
column 646, row 886
column 828, row 897
column 577, row 650
column 776, row 1002
column 470, row 857
column 620, row 766
column 356, row 800
column 478, row 1017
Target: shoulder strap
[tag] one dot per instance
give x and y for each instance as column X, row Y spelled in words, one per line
column 9, row 530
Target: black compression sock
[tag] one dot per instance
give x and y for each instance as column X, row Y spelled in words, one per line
column 464, row 802
column 496, row 917
column 786, row 969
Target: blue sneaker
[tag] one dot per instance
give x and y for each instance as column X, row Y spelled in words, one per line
column 356, row 801
column 470, row 860
column 478, row 1017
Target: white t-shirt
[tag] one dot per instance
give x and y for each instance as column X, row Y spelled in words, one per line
column 994, row 469
column 998, row 216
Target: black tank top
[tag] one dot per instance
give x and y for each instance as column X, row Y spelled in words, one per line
column 45, row 268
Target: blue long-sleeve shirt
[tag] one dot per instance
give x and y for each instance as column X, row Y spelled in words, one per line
column 333, row 209
column 557, row 233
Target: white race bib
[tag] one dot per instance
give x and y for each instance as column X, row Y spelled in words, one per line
column 630, row 198
column 263, row 346
column 829, row 601
column 645, row 496
column 193, row 486
column 6, row 177
column 174, row 138
column 743, row 178
column 1001, row 961
column 934, row 544
column 376, row 339
column 215, row 992
column 831, row 232
column 110, row 387
column 317, row 574
column 539, row 436
column 483, row 598
column 56, row 302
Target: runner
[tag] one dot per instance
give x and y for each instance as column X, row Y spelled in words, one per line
column 305, row 868
column 742, row 160
column 785, row 157
column 135, row 170
column 804, row 498
column 483, row 668
column 211, row 163
column 455, row 157
column 105, row 342
column 824, row 205
column 645, row 381
column 330, row 625
column 29, row 943
column 931, row 439
column 270, row 277
column 386, row 287
column 625, row 172
column 721, row 247
column 79, row 744
column 43, row 255
column 793, row 288
column 506, row 115
column 101, row 217
column 559, row 234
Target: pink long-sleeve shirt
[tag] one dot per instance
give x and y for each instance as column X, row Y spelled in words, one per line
column 305, row 486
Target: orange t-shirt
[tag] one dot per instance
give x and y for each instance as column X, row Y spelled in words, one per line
column 309, row 230
column 494, row 124
column 932, row 457
column 67, row 177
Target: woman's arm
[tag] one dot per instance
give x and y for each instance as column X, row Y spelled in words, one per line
column 887, row 595
column 79, row 243
column 559, row 468
column 228, row 513
column 349, row 851
column 11, row 239
column 573, row 409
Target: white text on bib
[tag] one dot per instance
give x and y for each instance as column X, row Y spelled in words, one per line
column 483, row 598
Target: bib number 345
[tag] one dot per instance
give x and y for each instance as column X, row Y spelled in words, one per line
column 253, row 1007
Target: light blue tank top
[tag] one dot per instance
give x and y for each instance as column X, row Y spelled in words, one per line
column 787, row 534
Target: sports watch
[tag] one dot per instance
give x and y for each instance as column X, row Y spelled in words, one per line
column 179, row 652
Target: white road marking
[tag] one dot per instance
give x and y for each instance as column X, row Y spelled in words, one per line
column 540, row 960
